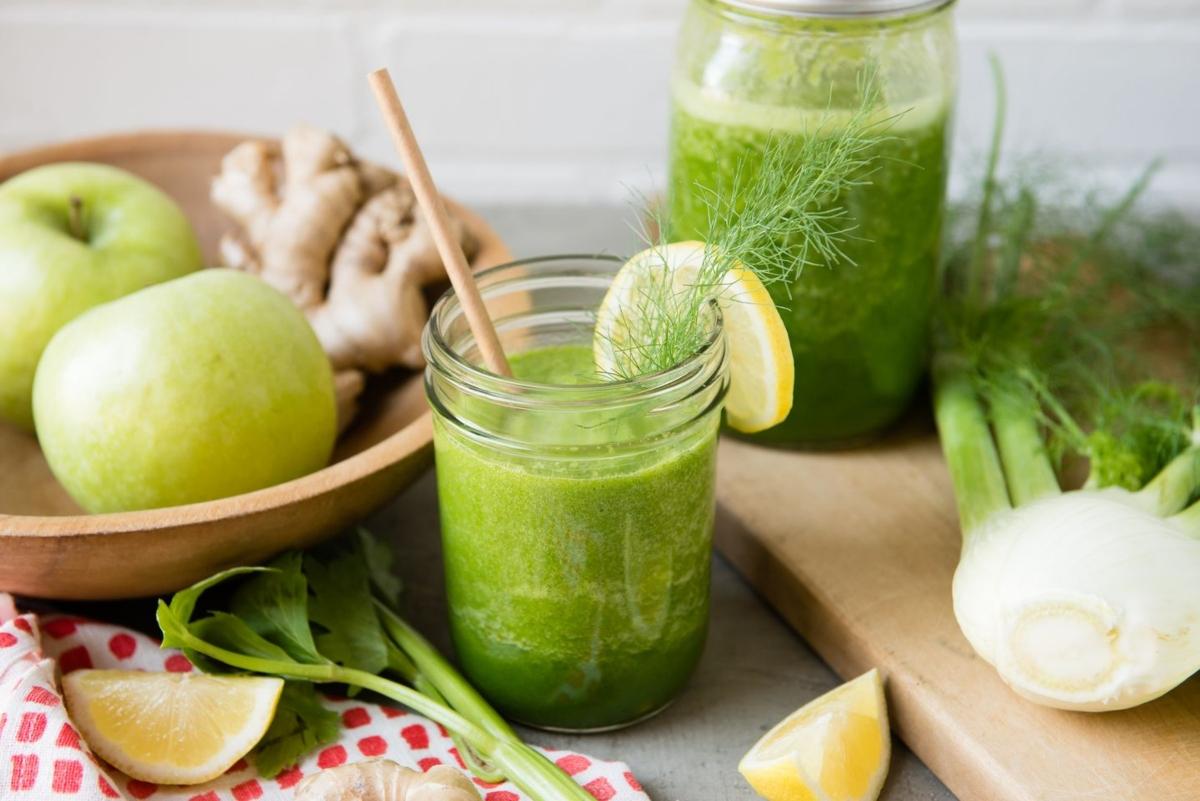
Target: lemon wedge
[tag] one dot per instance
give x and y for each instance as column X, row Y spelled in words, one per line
column 761, row 372
column 170, row 728
column 835, row 748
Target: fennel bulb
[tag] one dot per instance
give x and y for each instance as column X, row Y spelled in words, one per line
column 1084, row 600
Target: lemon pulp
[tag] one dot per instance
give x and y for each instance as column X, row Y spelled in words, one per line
column 761, row 369
column 170, row 728
column 835, row 748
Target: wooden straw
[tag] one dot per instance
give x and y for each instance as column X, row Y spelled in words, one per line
column 448, row 247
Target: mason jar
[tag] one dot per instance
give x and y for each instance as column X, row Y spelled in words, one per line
column 576, row 514
column 754, row 73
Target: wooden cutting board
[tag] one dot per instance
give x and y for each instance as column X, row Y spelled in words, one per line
column 856, row 550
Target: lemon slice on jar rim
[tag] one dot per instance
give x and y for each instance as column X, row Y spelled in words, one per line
column 761, row 371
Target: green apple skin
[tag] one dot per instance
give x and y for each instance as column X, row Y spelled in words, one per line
column 132, row 235
column 203, row 387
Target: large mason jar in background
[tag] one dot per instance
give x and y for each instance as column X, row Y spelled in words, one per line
column 754, row 72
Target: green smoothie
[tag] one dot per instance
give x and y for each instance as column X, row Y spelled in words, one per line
column 577, row 581
column 858, row 328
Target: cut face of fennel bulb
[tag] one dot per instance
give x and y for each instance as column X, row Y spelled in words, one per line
column 1084, row 601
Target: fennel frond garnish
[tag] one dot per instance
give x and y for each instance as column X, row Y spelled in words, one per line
column 776, row 219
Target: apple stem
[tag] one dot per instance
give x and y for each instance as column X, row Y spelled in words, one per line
column 75, row 218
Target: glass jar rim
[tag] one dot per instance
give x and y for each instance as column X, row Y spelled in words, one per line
column 838, row 8
column 440, row 355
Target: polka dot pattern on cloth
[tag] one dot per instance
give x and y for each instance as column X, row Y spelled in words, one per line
column 43, row 757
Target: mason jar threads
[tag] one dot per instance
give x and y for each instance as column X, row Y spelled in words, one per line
column 576, row 514
column 775, row 72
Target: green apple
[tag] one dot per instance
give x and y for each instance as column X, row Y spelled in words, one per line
column 203, row 387
column 74, row 235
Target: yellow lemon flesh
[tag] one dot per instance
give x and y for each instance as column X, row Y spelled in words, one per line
column 835, row 748
column 170, row 728
column 761, row 372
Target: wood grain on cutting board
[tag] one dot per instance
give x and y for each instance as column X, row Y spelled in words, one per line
column 856, row 549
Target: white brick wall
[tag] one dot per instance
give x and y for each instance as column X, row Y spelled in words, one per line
column 557, row 99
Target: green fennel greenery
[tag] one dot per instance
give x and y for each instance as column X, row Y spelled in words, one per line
column 776, row 221
column 326, row 617
column 1053, row 297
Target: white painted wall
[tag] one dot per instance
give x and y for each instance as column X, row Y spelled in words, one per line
column 559, row 100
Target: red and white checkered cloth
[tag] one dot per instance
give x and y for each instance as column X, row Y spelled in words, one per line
column 43, row 757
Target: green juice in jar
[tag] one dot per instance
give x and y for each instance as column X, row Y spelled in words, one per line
column 858, row 328
column 577, row 511
column 578, row 591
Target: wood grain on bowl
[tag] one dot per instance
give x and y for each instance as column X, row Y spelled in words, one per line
column 49, row 549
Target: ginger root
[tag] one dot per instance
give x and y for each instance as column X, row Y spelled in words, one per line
column 384, row 780
column 343, row 239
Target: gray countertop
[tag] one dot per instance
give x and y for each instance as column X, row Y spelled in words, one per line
column 755, row 670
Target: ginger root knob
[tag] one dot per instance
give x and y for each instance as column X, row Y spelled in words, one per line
column 343, row 239
column 384, row 780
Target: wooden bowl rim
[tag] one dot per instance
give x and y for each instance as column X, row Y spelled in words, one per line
column 410, row 439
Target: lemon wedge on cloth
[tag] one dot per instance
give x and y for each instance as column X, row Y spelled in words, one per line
column 761, row 372
column 170, row 728
column 835, row 748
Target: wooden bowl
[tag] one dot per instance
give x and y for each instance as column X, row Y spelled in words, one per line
column 48, row 548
